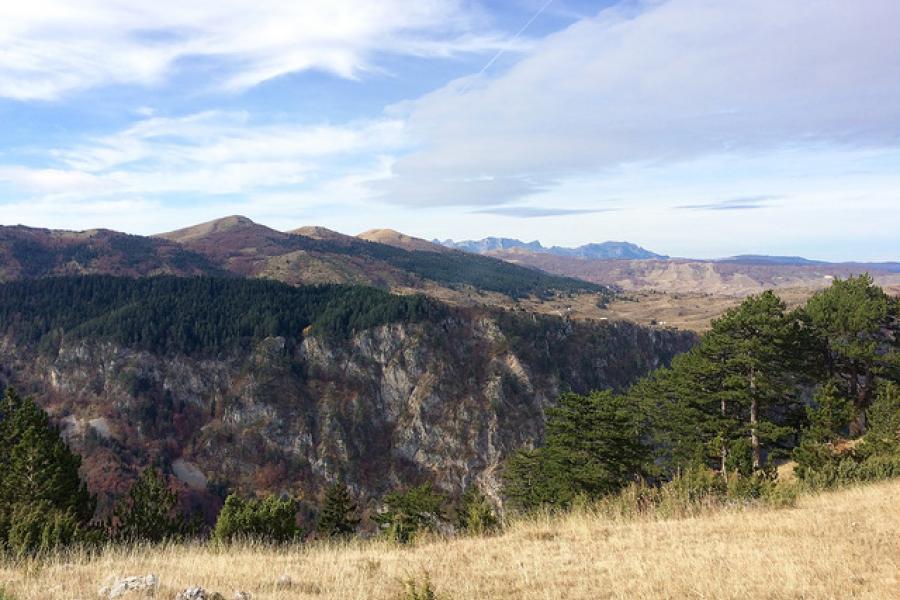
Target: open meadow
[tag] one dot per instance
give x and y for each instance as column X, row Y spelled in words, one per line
column 834, row 545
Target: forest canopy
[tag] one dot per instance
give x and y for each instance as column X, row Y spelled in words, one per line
column 199, row 315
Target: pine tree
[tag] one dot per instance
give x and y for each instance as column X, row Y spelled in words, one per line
column 338, row 515
column 35, row 463
column 593, row 447
column 858, row 327
column 43, row 502
column 749, row 353
column 148, row 513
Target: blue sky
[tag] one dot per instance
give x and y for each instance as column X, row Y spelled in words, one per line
column 693, row 127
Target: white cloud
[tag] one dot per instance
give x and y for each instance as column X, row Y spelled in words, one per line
column 51, row 47
column 209, row 153
column 676, row 80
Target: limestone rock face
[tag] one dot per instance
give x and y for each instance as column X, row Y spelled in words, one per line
column 442, row 401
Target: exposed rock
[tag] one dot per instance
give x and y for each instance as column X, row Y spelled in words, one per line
column 444, row 401
column 284, row 582
column 198, row 593
column 242, row 596
column 190, row 474
column 131, row 587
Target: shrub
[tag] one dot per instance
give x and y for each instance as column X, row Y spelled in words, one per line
column 270, row 520
column 413, row 590
column 40, row 528
column 475, row 513
column 410, row 512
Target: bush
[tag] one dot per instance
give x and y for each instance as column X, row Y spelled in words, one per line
column 694, row 492
column 413, row 590
column 475, row 513
column 410, row 512
column 270, row 520
column 40, row 528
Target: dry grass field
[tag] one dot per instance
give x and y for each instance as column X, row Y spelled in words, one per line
column 837, row 545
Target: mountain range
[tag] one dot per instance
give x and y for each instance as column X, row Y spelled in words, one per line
column 600, row 251
column 237, row 246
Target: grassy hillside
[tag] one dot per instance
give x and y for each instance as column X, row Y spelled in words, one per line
column 835, row 545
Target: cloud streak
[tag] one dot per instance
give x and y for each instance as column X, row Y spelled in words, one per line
column 51, row 48
column 532, row 212
column 742, row 203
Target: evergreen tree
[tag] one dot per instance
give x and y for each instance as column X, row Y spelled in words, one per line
column 593, row 447
column 338, row 515
column 35, row 463
column 408, row 512
column 750, row 354
column 689, row 421
column 858, row 327
column 43, row 502
column 829, row 415
column 148, row 514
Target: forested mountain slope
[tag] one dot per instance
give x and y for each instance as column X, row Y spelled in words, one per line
column 311, row 384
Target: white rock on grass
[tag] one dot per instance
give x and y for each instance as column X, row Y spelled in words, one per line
column 120, row 588
column 198, row 593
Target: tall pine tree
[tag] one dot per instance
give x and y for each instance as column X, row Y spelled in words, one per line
column 43, row 501
column 858, row 328
column 750, row 353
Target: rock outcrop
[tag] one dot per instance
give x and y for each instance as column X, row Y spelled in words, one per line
column 443, row 401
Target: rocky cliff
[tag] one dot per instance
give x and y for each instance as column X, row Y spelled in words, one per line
column 442, row 400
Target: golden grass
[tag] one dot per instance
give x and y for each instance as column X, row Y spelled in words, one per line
column 836, row 545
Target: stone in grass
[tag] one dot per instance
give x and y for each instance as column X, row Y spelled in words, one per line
column 198, row 593
column 242, row 596
column 284, row 583
column 130, row 586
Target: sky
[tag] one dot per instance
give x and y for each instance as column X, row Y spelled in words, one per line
column 696, row 128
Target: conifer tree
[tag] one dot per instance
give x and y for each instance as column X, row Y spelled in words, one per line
column 858, row 327
column 148, row 513
column 749, row 352
column 338, row 515
column 35, row 463
column 593, row 447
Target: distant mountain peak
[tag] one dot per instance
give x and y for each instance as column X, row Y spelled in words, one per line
column 397, row 239
column 601, row 250
column 317, row 232
column 230, row 223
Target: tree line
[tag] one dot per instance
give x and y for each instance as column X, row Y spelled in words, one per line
column 763, row 385
column 193, row 315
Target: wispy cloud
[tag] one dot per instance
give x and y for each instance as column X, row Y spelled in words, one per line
column 531, row 212
column 658, row 82
column 52, row 47
column 742, row 203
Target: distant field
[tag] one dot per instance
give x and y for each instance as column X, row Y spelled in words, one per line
column 838, row 545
